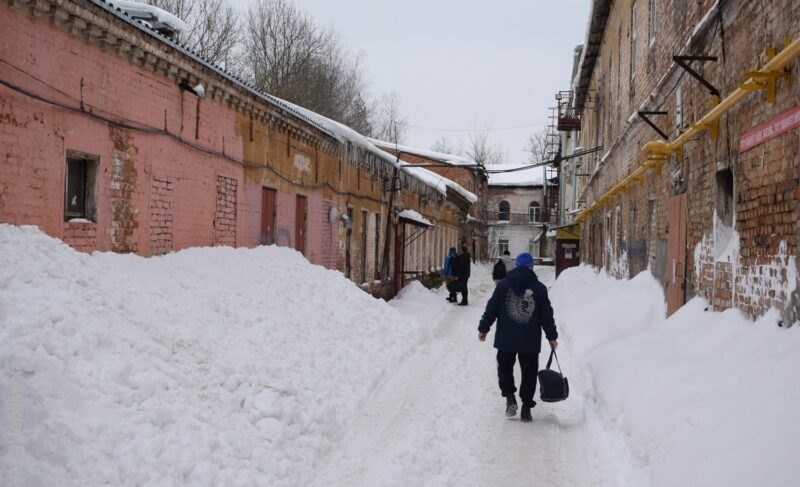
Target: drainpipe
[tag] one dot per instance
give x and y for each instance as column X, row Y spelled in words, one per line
column 387, row 241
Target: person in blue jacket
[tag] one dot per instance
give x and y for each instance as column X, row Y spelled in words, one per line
column 522, row 309
column 448, row 274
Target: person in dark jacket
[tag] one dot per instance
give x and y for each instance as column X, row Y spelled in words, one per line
column 461, row 268
column 503, row 266
column 448, row 274
column 522, row 309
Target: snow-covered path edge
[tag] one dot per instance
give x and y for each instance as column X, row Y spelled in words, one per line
column 438, row 420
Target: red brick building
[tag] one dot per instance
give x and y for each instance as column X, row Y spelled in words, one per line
column 705, row 196
column 115, row 138
column 467, row 175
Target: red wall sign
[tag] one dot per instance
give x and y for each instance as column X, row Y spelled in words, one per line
column 783, row 123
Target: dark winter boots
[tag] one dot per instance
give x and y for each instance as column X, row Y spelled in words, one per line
column 525, row 414
column 511, row 406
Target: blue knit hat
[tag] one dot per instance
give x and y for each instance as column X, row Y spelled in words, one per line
column 524, row 260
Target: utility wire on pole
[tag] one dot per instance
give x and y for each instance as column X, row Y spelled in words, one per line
column 389, row 217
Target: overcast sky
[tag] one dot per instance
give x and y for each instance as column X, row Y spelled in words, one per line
column 458, row 63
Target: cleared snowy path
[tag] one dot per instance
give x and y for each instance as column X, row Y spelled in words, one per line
column 438, row 420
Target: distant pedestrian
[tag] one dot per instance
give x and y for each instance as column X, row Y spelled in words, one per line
column 461, row 270
column 449, row 278
column 504, row 264
column 522, row 309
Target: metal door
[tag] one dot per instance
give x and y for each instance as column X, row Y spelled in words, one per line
column 348, row 245
column 676, row 253
column 267, row 216
column 301, row 212
column 364, row 215
column 567, row 254
column 399, row 257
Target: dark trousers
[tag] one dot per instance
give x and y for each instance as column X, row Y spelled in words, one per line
column 462, row 288
column 451, row 289
column 528, row 364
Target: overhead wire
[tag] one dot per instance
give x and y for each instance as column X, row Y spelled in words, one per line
column 156, row 131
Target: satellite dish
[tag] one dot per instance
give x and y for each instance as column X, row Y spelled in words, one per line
column 333, row 215
column 348, row 224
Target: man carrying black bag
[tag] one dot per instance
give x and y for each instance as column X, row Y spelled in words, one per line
column 522, row 309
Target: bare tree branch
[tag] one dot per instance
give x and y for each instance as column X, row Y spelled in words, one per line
column 537, row 147
column 390, row 125
column 480, row 150
column 214, row 31
column 292, row 58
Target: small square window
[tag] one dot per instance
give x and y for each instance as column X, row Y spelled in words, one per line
column 80, row 187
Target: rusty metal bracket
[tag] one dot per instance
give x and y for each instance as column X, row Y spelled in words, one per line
column 767, row 80
column 644, row 116
column 683, row 61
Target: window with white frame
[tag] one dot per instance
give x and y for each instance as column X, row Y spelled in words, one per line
column 534, row 212
column 502, row 246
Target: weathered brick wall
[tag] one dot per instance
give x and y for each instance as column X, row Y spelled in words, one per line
column 754, row 278
column 751, row 274
column 225, row 215
column 81, row 236
column 173, row 170
column 161, row 208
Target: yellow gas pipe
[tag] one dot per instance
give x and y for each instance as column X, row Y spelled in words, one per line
column 657, row 151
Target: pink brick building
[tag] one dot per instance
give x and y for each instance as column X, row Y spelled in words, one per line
column 106, row 144
column 706, row 198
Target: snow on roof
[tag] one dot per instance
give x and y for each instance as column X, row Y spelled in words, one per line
column 430, row 178
column 420, row 171
column 468, row 195
column 446, row 158
column 415, row 217
column 331, row 127
column 528, row 177
column 345, row 133
column 439, row 156
column 143, row 10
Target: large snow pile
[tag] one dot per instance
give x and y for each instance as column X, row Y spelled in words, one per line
column 203, row 367
column 702, row 398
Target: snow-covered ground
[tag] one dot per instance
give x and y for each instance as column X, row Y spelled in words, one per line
column 252, row 367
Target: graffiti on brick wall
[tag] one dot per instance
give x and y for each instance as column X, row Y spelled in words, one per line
column 161, row 207
column 225, row 214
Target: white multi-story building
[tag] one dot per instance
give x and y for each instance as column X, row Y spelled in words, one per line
column 514, row 210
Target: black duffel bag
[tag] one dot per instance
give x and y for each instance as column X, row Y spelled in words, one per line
column 553, row 386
